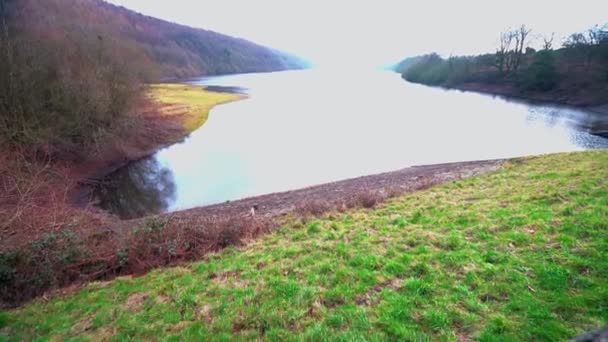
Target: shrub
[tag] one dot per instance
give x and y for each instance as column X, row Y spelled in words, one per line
column 542, row 75
column 62, row 90
column 434, row 70
column 369, row 199
column 313, row 208
column 430, row 69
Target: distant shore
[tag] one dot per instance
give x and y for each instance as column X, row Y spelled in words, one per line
column 587, row 101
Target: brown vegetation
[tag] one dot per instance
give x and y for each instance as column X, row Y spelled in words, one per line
column 35, row 199
column 72, row 108
column 68, row 256
column 166, row 49
column 42, row 194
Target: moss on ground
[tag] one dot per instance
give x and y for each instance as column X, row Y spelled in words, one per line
column 519, row 254
column 191, row 101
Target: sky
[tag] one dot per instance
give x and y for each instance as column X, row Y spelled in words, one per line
column 377, row 32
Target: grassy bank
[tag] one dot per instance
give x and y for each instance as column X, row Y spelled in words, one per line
column 519, row 254
column 190, row 102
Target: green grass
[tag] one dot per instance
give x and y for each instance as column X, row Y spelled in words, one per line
column 194, row 103
column 519, row 254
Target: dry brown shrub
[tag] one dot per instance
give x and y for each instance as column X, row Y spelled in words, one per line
column 65, row 257
column 36, row 198
column 369, row 199
column 313, row 208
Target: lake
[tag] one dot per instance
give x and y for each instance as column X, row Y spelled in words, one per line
column 307, row 127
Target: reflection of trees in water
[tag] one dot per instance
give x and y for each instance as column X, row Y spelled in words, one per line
column 553, row 116
column 144, row 187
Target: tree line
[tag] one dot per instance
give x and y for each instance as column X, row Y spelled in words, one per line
column 581, row 61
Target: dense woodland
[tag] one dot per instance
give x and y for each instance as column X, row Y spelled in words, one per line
column 575, row 72
column 173, row 50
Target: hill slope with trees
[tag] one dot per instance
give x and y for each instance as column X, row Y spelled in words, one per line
column 575, row 73
column 174, row 50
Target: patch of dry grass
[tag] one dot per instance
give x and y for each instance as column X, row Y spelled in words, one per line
column 191, row 102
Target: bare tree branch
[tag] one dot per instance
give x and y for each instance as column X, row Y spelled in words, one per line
column 548, row 42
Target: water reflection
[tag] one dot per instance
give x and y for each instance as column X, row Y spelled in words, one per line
column 300, row 128
column 144, row 187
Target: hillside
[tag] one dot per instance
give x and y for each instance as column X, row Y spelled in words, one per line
column 515, row 255
column 173, row 50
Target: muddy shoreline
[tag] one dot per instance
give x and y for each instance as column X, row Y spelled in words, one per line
column 389, row 183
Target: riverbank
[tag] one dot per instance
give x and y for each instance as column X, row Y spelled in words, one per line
column 66, row 256
column 561, row 75
column 595, row 101
column 463, row 260
column 190, row 104
column 171, row 112
column 44, row 197
column 340, row 195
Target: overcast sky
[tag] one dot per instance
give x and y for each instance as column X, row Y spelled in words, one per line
column 379, row 31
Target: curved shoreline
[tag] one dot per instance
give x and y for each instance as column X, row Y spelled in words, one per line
column 183, row 112
column 158, row 124
column 510, row 93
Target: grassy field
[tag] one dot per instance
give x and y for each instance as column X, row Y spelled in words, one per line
column 519, row 254
column 191, row 101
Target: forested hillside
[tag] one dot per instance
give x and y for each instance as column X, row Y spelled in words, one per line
column 174, row 50
column 574, row 73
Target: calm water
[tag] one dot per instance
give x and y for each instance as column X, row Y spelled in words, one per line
column 300, row 128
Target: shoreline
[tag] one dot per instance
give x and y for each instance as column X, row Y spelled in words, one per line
column 509, row 93
column 549, row 98
column 185, row 116
column 600, row 110
column 158, row 122
column 199, row 226
column 334, row 194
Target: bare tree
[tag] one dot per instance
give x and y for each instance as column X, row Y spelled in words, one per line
column 512, row 45
column 548, row 41
column 6, row 70
column 521, row 42
column 502, row 53
column 584, row 44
